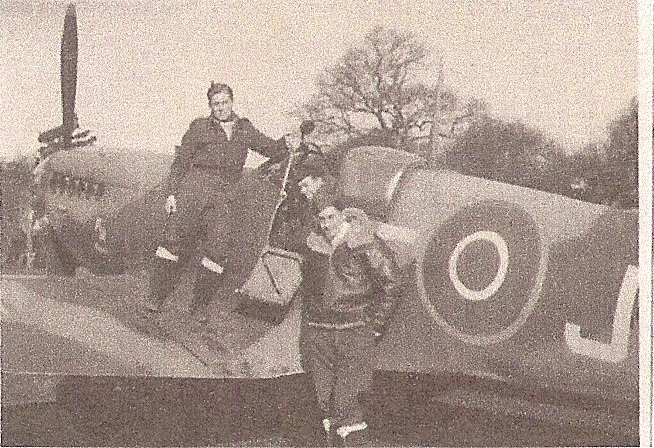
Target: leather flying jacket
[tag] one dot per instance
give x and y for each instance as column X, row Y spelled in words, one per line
column 205, row 145
column 348, row 286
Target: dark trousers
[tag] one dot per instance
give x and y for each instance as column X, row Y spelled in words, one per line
column 192, row 232
column 340, row 364
column 217, row 223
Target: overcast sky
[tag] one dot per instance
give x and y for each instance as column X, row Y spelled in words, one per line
column 566, row 67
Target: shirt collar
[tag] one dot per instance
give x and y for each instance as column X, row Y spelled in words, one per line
column 341, row 235
column 231, row 119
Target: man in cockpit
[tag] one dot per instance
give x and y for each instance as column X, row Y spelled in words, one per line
column 211, row 156
column 296, row 214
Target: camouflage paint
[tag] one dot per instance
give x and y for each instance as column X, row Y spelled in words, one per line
column 508, row 283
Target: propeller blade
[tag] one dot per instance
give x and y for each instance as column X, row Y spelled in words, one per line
column 69, row 72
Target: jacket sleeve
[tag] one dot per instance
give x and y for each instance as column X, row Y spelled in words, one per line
column 389, row 281
column 183, row 157
column 261, row 143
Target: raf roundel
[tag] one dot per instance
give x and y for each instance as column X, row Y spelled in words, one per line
column 481, row 272
column 503, row 251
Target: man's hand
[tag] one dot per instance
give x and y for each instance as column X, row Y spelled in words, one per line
column 171, row 205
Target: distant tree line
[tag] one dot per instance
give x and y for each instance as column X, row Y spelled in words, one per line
column 15, row 196
column 373, row 96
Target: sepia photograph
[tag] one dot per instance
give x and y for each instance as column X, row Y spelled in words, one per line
column 321, row 223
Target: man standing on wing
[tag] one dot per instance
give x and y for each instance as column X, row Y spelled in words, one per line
column 210, row 158
column 351, row 285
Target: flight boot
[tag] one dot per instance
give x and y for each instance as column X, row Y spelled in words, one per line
column 206, row 284
column 163, row 279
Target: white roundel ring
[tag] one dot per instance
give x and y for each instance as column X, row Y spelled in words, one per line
column 482, row 271
column 503, row 252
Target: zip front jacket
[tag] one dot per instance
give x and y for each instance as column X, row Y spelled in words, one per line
column 347, row 287
column 207, row 146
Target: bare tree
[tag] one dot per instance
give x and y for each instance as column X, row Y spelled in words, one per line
column 375, row 85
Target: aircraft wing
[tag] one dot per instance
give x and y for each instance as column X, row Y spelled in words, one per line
column 88, row 325
column 510, row 283
column 506, row 283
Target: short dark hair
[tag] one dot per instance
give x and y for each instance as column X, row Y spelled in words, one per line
column 217, row 87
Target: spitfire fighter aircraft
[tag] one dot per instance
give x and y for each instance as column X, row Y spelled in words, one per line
column 517, row 287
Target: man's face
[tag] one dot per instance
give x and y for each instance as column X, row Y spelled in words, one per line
column 331, row 220
column 310, row 185
column 221, row 105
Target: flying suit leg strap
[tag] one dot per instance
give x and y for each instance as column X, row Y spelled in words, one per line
column 326, row 424
column 345, row 431
column 164, row 253
column 212, row 265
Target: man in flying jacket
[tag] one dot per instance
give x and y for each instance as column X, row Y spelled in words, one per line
column 211, row 157
column 351, row 285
